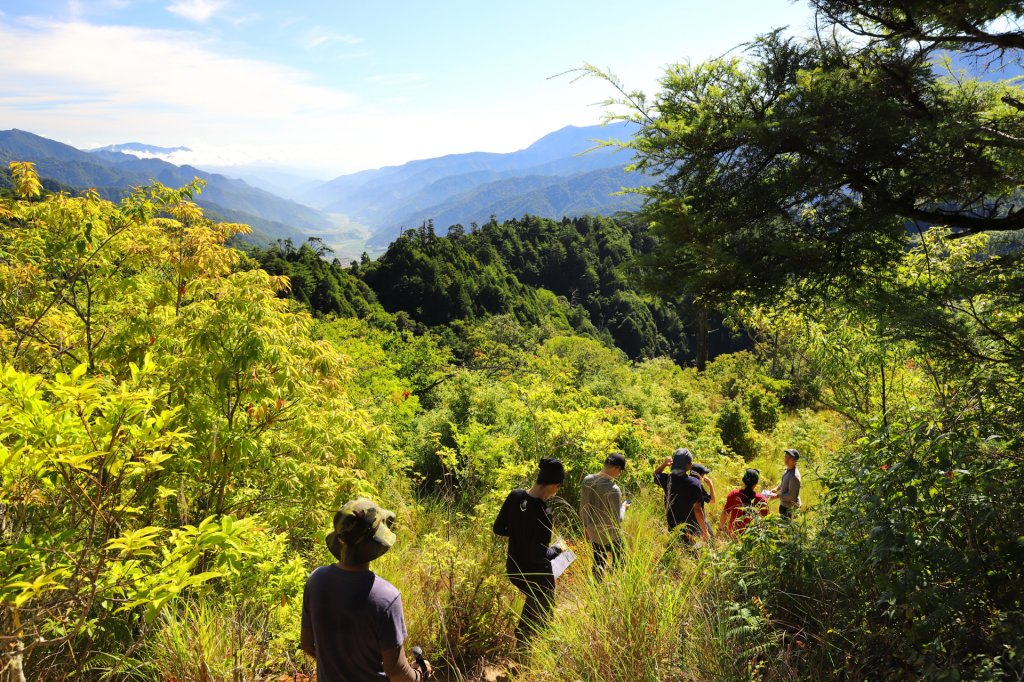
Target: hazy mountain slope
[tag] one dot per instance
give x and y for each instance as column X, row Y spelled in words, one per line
column 368, row 191
column 113, row 172
column 469, row 187
column 589, row 193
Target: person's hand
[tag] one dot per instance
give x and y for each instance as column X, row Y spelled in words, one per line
column 628, row 504
column 429, row 669
column 667, row 462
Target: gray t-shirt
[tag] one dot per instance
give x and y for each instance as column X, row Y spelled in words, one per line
column 789, row 489
column 354, row 616
column 600, row 507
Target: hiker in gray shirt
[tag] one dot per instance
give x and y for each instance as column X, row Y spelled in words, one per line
column 788, row 490
column 601, row 509
column 352, row 619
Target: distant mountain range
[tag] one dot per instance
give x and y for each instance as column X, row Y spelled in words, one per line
column 113, row 172
column 551, row 178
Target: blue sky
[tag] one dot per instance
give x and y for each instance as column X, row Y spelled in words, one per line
column 336, row 86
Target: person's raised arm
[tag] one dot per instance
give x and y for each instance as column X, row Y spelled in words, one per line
column 711, row 488
column 664, row 465
column 397, row 668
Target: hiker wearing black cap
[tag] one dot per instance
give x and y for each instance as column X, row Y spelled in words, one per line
column 741, row 505
column 602, row 509
column 525, row 519
column 352, row 619
column 788, row 489
column 683, row 496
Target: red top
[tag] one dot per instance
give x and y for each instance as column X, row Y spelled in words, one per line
column 739, row 511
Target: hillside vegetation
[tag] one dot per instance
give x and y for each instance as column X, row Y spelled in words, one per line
column 176, row 435
column 179, row 420
column 576, row 271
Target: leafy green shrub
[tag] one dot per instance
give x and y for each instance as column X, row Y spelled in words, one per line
column 450, row 569
column 765, row 409
column 734, row 425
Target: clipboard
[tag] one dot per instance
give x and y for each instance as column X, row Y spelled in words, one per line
column 562, row 562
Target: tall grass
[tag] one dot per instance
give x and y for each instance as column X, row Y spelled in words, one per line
column 450, row 569
column 635, row 625
column 202, row 642
column 666, row 612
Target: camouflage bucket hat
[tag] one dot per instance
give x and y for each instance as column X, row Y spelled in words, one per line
column 361, row 532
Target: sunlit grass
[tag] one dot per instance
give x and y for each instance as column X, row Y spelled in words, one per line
column 663, row 614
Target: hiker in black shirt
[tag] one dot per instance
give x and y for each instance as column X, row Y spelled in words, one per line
column 684, row 496
column 525, row 520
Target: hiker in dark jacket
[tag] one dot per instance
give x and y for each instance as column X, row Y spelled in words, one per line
column 684, row 496
column 525, row 519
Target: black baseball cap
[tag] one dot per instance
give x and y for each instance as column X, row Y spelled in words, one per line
column 681, row 460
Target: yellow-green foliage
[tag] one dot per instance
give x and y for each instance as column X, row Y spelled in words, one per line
column 174, row 438
column 168, row 426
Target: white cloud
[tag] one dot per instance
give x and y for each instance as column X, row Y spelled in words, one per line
column 198, row 11
column 90, row 85
column 319, row 36
column 202, row 156
column 79, row 81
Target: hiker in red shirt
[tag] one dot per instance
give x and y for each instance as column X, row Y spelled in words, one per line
column 742, row 504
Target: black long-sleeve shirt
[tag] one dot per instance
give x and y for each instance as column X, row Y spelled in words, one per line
column 526, row 522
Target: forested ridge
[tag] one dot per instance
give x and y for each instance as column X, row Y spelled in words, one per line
column 578, row 270
column 180, row 418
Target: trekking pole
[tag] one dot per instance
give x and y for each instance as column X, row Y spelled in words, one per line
column 417, row 653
